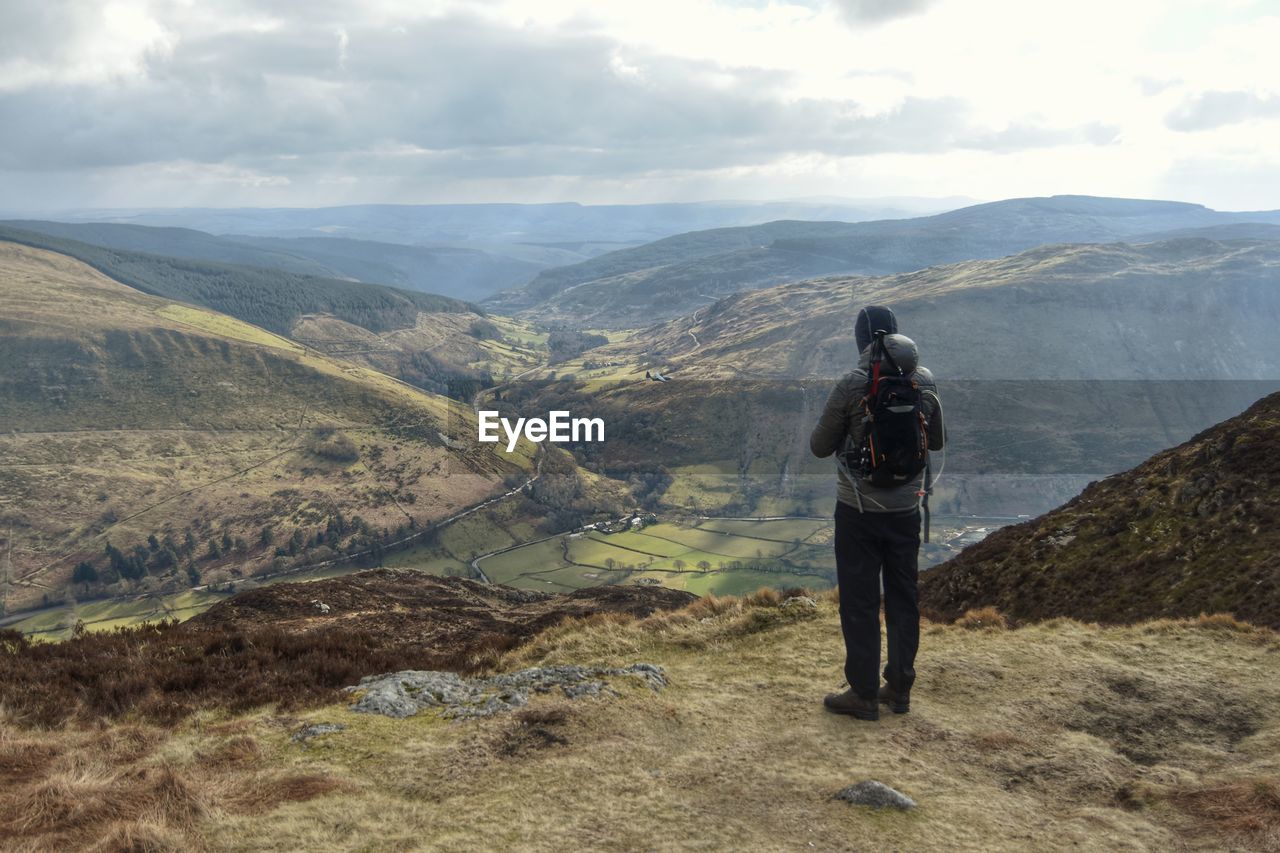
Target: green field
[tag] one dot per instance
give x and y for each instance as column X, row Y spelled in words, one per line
column 725, row 557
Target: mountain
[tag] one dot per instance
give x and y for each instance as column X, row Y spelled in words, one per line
column 1194, row 529
column 569, row 226
column 182, row 243
column 680, row 274
column 711, row 735
column 439, row 344
column 1058, row 365
column 271, row 298
column 464, row 273
column 151, row 444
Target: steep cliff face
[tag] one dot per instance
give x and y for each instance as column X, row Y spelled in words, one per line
column 1195, row 529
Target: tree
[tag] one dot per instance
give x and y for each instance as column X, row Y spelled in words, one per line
column 703, row 565
column 267, row 536
column 84, row 573
column 214, row 551
column 679, row 564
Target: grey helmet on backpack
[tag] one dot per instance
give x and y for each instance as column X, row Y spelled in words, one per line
column 903, row 351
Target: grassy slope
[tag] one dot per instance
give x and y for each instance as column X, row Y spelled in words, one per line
column 1058, row 736
column 420, row 337
column 1194, row 528
column 126, row 415
column 271, row 298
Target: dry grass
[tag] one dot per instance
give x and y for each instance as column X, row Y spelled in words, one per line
column 983, row 619
column 764, row 597
column 1247, row 811
column 1002, row 748
column 1018, row 739
column 137, row 788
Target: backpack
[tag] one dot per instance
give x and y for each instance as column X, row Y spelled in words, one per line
column 895, row 443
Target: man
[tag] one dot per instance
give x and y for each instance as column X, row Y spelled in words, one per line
column 877, row 527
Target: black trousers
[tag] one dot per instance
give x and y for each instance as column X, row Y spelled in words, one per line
column 869, row 544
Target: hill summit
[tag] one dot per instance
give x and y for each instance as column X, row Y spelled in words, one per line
column 1194, row 529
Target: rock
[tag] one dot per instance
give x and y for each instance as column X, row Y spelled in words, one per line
column 403, row 694
column 320, row 606
column 875, row 794
column 308, row 732
column 799, row 601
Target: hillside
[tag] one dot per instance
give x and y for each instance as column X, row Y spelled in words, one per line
column 152, row 445
column 679, row 274
column 463, row 273
column 1058, row 365
column 1056, row 736
column 185, row 243
column 273, row 299
column 1193, row 529
column 436, row 343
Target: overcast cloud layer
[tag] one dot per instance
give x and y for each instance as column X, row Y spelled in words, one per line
column 137, row 103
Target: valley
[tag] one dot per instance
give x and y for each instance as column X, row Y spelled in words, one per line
column 243, row 484
column 215, row 528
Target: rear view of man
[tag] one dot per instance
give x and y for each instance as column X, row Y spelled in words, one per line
column 881, row 419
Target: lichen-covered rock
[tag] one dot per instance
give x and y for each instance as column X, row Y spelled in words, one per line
column 875, row 794
column 403, row 694
column 306, row 733
column 799, row 601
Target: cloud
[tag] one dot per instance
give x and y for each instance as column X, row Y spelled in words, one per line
column 1209, row 110
column 77, row 41
column 457, row 96
column 461, row 97
column 271, row 101
column 864, row 12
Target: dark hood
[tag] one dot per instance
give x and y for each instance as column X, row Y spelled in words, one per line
column 872, row 319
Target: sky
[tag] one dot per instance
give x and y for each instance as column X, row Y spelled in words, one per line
column 144, row 103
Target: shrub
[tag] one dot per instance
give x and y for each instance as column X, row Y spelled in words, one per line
column 333, row 446
column 983, row 619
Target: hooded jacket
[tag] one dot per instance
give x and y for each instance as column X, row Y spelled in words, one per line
column 841, row 425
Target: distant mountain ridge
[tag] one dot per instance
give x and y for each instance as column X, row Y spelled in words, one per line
column 546, row 223
column 1194, row 529
column 680, row 274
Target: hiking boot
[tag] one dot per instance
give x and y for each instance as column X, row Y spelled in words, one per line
column 852, row 704
column 899, row 702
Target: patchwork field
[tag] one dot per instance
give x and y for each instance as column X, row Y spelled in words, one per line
column 708, row 556
column 740, row 556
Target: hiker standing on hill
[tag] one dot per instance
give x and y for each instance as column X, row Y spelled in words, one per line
column 881, row 420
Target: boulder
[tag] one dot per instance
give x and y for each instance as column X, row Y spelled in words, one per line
column 403, row 694
column 875, row 794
